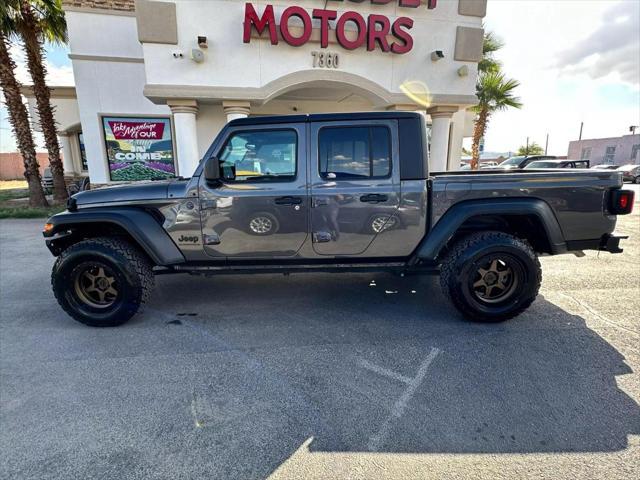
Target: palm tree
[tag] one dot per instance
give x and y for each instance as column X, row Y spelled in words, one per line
column 34, row 22
column 490, row 45
column 530, row 149
column 19, row 120
column 494, row 93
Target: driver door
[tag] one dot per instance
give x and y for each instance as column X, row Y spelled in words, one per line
column 259, row 207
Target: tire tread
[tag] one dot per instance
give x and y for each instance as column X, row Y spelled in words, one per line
column 136, row 259
column 449, row 266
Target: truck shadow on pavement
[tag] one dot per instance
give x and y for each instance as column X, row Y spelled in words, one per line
column 375, row 363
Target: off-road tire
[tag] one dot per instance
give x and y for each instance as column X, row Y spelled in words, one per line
column 461, row 262
column 131, row 269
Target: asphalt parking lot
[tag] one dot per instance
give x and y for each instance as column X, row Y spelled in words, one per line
column 322, row 376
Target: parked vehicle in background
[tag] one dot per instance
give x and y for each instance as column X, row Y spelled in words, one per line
column 483, row 166
column 605, row 166
column 559, row 164
column 337, row 193
column 630, row 173
column 522, row 161
column 47, row 181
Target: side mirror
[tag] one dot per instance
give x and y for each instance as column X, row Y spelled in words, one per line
column 212, row 170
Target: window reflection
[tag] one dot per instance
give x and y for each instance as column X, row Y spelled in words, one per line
column 354, row 152
column 260, row 155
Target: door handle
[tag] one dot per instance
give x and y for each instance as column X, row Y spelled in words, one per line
column 374, row 198
column 288, row 201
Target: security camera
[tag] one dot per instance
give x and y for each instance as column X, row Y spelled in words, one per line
column 437, row 55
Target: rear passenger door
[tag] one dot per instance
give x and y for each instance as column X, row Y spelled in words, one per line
column 355, row 184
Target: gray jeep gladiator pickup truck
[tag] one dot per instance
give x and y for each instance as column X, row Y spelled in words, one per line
column 330, row 192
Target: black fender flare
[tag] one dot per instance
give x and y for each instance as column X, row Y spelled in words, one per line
column 452, row 220
column 140, row 224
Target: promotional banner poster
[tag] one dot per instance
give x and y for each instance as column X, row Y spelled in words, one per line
column 139, row 148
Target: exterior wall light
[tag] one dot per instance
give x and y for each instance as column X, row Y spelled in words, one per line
column 197, row 55
column 202, row 42
column 437, row 55
column 463, row 71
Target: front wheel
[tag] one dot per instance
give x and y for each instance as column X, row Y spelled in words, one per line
column 102, row 282
column 491, row 276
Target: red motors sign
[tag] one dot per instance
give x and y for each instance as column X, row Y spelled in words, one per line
column 137, row 130
column 372, row 31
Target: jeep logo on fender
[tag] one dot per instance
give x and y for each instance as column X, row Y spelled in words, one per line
column 189, row 239
column 371, row 32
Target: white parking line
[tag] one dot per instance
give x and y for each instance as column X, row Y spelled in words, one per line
column 385, row 372
column 376, row 441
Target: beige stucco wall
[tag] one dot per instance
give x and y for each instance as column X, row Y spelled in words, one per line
column 624, row 147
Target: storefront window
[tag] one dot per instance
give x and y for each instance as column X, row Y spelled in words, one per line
column 83, row 153
column 610, row 154
column 139, row 148
column 586, row 153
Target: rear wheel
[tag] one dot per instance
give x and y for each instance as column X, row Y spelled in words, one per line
column 491, row 276
column 102, row 282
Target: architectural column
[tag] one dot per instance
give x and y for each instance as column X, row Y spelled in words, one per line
column 440, row 121
column 184, row 122
column 67, row 156
column 236, row 109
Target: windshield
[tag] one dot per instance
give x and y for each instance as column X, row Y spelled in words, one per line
column 543, row 164
column 513, row 161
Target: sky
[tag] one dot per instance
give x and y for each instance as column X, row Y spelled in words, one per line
column 577, row 61
column 59, row 72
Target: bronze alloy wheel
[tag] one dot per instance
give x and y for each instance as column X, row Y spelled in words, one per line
column 96, row 286
column 495, row 279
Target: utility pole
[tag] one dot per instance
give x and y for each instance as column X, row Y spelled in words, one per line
column 581, row 125
column 546, row 145
column 527, row 149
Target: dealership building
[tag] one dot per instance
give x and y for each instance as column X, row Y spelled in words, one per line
column 155, row 81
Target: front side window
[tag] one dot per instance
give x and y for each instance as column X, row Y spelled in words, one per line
column 354, row 152
column 513, row 161
column 260, row 155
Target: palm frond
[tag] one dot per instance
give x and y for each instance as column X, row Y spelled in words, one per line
column 495, row 92
column 50, row 22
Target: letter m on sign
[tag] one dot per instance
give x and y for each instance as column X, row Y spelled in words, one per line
column 251, row 19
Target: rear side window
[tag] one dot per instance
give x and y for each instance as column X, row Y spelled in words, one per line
column 354, row 152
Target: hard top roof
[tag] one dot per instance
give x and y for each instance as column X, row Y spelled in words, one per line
column 322, row 117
